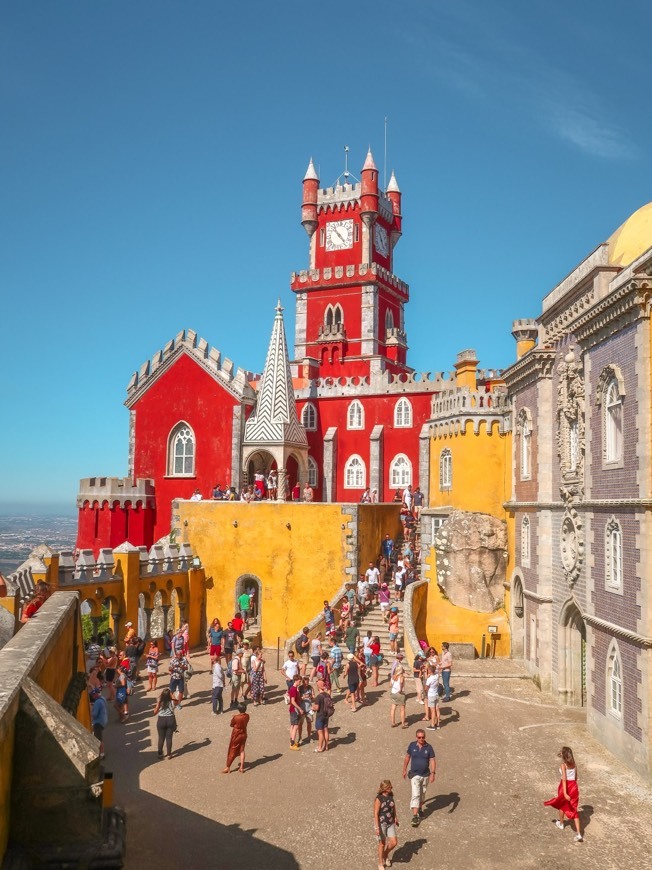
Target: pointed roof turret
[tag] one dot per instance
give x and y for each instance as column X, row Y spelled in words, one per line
column 274, row 420
column 369, row 162
column 311, row 172
column 393, row 184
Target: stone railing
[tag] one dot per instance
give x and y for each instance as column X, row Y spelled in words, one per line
column 411, row 641
column 332, row 332
column 160, row 559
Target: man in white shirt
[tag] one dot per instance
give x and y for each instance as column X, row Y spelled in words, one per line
column 408, row 498
column 236, row 676
column 363, row 590
column 372, row 575
column 290, row 668
column 218, row 685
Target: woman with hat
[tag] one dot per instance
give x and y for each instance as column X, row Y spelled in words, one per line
column 397, row 694
column 352, row 674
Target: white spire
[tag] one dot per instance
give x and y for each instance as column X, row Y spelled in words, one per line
column 369, row 162
column 275, row 420
column 311, row 172
column 393, row 184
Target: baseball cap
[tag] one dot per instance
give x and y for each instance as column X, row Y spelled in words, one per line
column 350, row 657
column 128, row 624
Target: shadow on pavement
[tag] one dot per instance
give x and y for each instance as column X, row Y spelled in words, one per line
column 586, row 811
column 408, row 850
column 440, row 802
column 263, row 760
column 340, row 741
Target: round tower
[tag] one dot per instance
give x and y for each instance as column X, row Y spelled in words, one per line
column 369, row 191
column 394, row 196
column 309, row 204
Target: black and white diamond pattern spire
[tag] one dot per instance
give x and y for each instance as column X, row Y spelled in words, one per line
column 274, row 420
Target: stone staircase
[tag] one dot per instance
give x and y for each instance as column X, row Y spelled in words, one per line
column 373, row 621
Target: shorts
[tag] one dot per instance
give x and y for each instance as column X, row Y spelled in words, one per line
column 216, row 649
column 315, row 660
column 397, row 698
column 353, row 687
column 393, row 635
column 294, row 717
column 98, row 731
column 121, row 695
column 321, row 722
column 176, row 686
column 305, row 658
column 384, row 605
column 236, row 679
column 386, row 831
column 433, row 700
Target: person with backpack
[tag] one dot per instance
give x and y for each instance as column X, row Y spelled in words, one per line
column 322, row 672
column 323, row 709
column 228, row 642
column 301, row 646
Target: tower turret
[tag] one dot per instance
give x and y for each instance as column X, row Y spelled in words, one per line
column 309, row 204
column 394, row 196
column 369, row 191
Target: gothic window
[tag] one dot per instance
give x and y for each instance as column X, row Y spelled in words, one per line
column 445, row 469
column 614, row 555
column 524, row 425
column 313, row 472
column 309, row 417
column 613, row 423
column 355, row 416
column 338, row 316
column 403, row 414
column 615, row 681
column 389, row 319
column 573, row 446
column 400, row 472
column 328, row 316
column 525, row 542
column 181, row 451
column 354, row 473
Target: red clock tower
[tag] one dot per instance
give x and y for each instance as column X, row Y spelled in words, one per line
column 349, row 304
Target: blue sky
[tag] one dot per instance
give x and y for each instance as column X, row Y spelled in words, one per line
column 152, row 156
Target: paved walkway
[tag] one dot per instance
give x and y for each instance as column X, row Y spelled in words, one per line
column 497, row 763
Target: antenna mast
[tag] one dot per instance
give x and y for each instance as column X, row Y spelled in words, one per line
column 346, row 163
column 385, row 159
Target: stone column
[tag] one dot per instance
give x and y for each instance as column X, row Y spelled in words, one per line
column 148, row 621
column 182, row 612
column 95, row 620
column 116, row 627
column 282, row 476
column 166, row 610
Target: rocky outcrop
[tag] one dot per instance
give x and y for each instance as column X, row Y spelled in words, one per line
column 471, row 558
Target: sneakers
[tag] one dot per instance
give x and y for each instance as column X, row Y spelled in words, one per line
column 559, row 824
column 430, row 728
column 419, row 701
column 295, row 746
column 579, row 838
column 415, row 821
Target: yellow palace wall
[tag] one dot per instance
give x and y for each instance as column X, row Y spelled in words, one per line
column 481, row 482
column 302, row 554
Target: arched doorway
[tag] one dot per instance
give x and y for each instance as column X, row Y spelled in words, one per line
column 572, row 656
column 248, row 583
column 518, row 621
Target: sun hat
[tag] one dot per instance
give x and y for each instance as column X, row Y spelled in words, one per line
column 128, row 624
column 350, row 657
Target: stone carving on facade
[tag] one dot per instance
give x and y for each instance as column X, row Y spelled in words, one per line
column 571, row 543
column 570, row 424
column 607, row 375
column 471, row 554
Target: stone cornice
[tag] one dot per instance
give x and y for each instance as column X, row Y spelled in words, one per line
column 626, row 303
column 534, row 596
column 617, row 630
column 533, row 366
column 588, row 504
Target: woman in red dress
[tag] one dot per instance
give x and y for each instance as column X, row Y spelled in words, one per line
column 238, row 738
column 568, row 794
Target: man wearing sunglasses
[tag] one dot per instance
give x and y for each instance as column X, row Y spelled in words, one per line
column 420, row 758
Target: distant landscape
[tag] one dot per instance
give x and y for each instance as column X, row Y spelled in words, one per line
column 23, row 530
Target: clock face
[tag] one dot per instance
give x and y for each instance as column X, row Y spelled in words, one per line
column 381, row 240
column 339, row 235
column 569, row 545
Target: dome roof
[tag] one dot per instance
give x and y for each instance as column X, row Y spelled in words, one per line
column 631, row 239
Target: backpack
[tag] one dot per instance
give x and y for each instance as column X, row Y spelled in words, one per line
column 298, row 646
column 328, row 707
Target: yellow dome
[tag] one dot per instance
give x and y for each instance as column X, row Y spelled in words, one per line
column 631, row 239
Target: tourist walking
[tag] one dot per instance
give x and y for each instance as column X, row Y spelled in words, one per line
column 258, row 677
column 352, row 674
column 151, row 664
column 385, row 823
column 166, row 722
column 306, row 696
column 218, row 686
column 397, row 696
column 568, row 794
column 323, row 709
column 215, row 635
column 296, row 710
column 420, row 759
column 121, row 694
column 376, row 659
column 393, row 630
column 238, row 740
column 446, row 665
column 315, row 649
column 99, row 717
column 417, row 673
column 178, row 666
column 431, row 713
column 236, row 676
column 302, row 646
column 322, row 671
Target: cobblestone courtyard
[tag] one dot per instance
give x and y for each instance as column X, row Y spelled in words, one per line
column 496, row 764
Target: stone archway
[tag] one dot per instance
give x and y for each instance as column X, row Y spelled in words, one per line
column 248, row 583
column 517, row 620
column 571, row 676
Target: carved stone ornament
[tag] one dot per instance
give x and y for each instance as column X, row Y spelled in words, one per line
column 571, row 542
column 570, row 426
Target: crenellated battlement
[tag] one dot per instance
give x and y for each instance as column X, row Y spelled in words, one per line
column 161, row 559
column 452, row 409
column 187, row 341
column 376, row 383
column 116, row 489
column 343, row 274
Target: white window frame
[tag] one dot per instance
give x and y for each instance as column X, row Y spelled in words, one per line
column 389, row 319
column 525, row 542
column 445, row 469
column 403, row 414
column 615, row 688
column 313, row 472
column 613, row 556
column 613, row 423
column 355, row 415
column 309, row 417
column 398, row 479
column 525, row 427
column 355, row 473
column 179, row 431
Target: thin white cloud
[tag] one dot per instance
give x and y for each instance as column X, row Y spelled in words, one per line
column 589, row 134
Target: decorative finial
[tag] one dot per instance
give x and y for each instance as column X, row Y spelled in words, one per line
column 279, row 308
column 346, row 161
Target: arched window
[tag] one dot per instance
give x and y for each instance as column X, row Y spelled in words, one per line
column 355, row 416
column 328, row 316
column 403, row 414
column 525, row 542
column 445, row 469
column 309, row 417
column 614, row 555
column 389, row 319
column 613, row 422
column 338, row 316
column 354, row 473
column 615, row 681
column 524, row 426
column 400, row 471
column 313, row 472
column 181, row 451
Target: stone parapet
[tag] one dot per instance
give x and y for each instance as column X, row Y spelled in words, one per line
column 116, row 489
column 376, row 383
column 334, row 275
